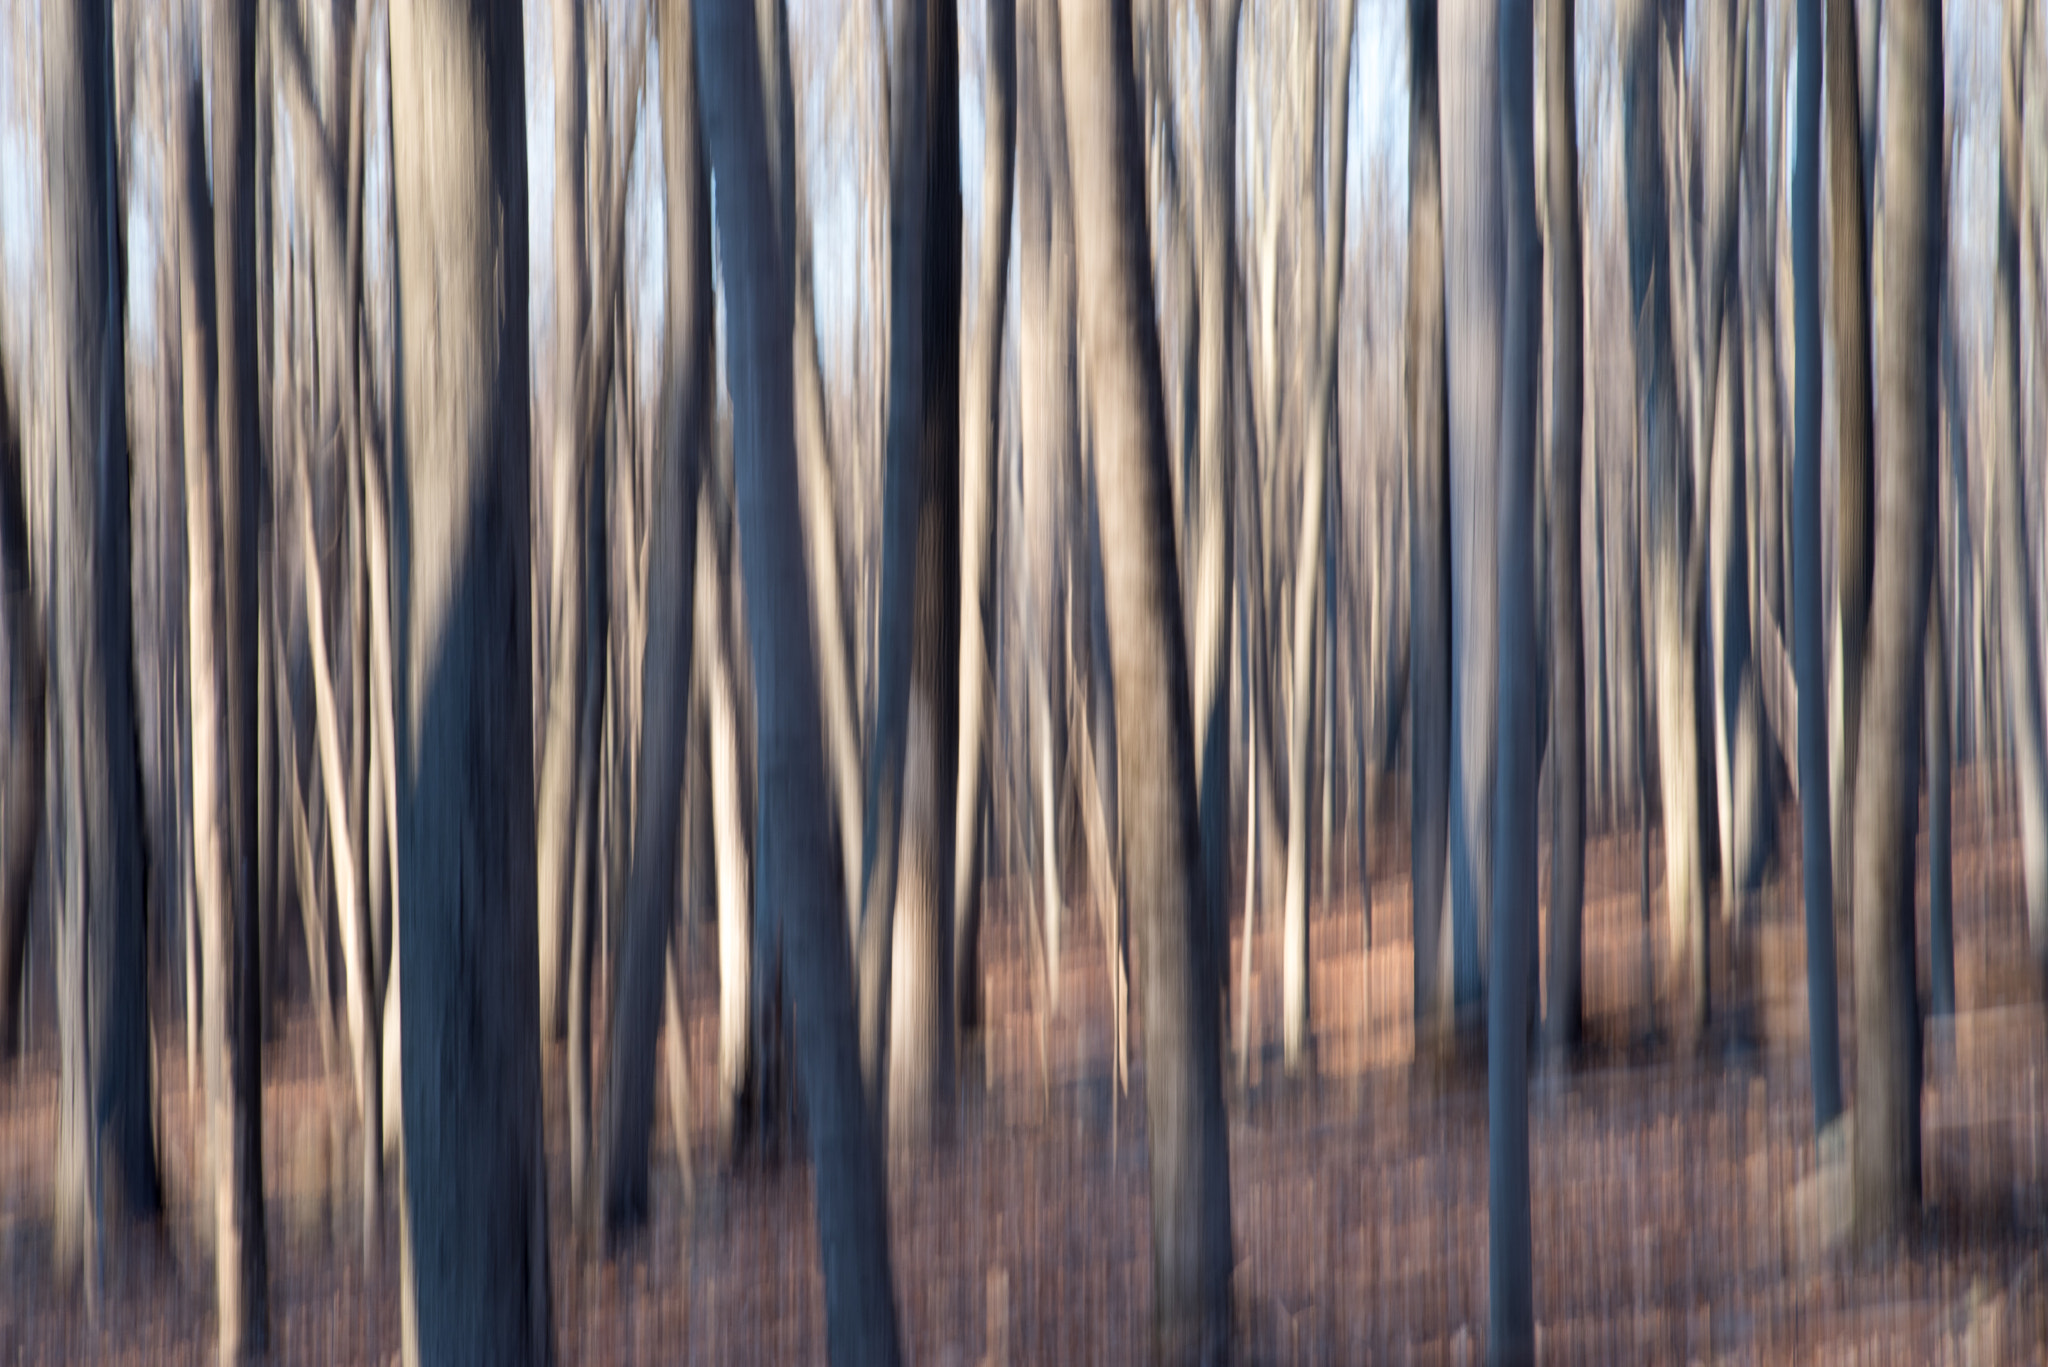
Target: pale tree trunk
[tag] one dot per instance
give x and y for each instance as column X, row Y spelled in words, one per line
column 1189, row 1160
column 1472, row 303
column 796, row 854
column 1567, row 636
column 476, row 1260
column 979, row 479
column 1886, row 1161
column 626, row 1106
column 1807, row 615
column 2010, row 490
column 1217, row 316
column 1511, row 1316
column 1850, row 297
column 102, row 944
column 1318, row 453
column 1427, row 398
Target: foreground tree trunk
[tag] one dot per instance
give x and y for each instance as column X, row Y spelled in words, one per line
column 1807, row 616
column 796, row 855
column 1427, row 398
column 103, row 995
column 476, row 1279
column 1190, row 1164
column 1567, row 647
column 1886, row 1170
column 626, row 1107
column 1511, row 1316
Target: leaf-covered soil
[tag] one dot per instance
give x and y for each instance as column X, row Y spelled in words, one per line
column 1680, row 1211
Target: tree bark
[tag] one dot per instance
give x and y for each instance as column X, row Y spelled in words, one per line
column 1190, row 1166
column 476, row 1277
column 1807, row 615
column 1563, row 1024
column 1511, row 1316
column 1886, row 1162
column 796, row 857
column 23, row 773
column 1427, row 398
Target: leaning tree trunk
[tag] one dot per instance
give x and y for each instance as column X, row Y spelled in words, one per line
column 1850, row 296
column 2010, row 490
column 476, row 1274
column 1427, row 398
column 796, row 853
column 1886, row 1163
column 626, row 1107
column 979, row 478
column 1807, row 615
column 1567, row 637
column 1511, row 1315
column 1318, row 453
column 1190, row 1165
column 1472, row 299
column 102, row 943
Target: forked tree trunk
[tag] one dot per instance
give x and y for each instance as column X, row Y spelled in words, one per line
column 1190, row 1166
column 1886, row 1161
column 796, row 856
column 1511, row 1317
column 476, row 1256
column 1427, row 399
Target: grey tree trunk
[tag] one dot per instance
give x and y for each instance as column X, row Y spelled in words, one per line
column 2010, row 530
column 102, row 960
column 1941, row 940
column 476, row 1274
column 1511, row 1315
column 1427, row 398
column 796, row 856
column 1850, row 296
column 979, row 479
column 1473, row 294
column 1807, row 616
column 1886, row 1161
column 1310, row 638
column 1190, row 1165
column 626, row 1107
column 1562, row 1024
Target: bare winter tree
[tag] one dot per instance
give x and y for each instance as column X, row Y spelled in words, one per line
column 1190, row 1165
column 476, row 1278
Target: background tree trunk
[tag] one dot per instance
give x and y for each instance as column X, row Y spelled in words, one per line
column 1190, row 1166
column 477, row 1262
column 1886, row 1171
column 796, row 856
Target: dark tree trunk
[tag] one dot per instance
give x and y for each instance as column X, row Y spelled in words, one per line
column 1886, row 1164
column 476, row 1279
column 1567, row 636
column 1190, row 1165
column 21, row 782
column 796, row 851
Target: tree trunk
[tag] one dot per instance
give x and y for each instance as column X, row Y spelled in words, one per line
column 1886, row 1167
column 1511, row 1317
column 1567, row 637
column 476, row 1276
column 1190, row 1166
column 1941, row 940
column 1850, row 296
column 1427, row 396
column 979, row 478
column 626, row 1108
column 1317, row 455
column 796, row 856
column 23, row 774
column 1807, row 615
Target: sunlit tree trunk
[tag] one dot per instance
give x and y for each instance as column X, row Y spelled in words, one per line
column 796, row 856
column 1886, row 1160
column 476, row 1275
column 1190, row 1166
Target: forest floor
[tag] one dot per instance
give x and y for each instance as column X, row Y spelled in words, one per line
column 1678, row 1215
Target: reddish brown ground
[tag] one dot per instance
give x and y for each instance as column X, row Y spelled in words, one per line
column 1674, row 1211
